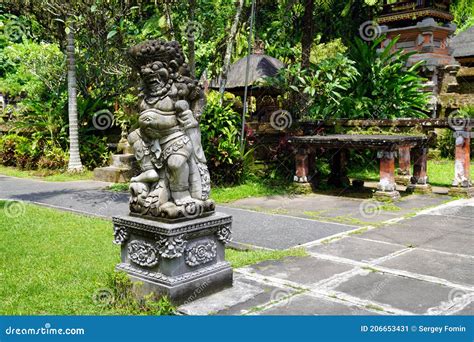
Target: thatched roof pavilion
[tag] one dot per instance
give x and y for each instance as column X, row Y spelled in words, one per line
column 463, row 46
column 260, row 66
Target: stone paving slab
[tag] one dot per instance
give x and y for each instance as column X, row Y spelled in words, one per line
column 467, row 311
column 401, row 293
column 245, row 296
column 357, row 249
column 307, row 305
column 303, row 270
column 352, row 211
column 278, row 231
column 455, row 268
column 450, row 234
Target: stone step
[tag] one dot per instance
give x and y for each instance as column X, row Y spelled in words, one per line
column 113, row 174
column 123, row 160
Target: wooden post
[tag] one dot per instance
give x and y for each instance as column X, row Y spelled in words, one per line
column 387, row 189
column 404, row 166
column 462, row 184
column 419, row 181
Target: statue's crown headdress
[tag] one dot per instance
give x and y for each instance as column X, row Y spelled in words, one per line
column 156, row 50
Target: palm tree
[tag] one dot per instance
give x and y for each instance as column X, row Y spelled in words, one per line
column 75, row 164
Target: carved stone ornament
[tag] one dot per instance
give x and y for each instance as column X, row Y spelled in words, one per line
column 201, row 253
column 142, row 253
column 172, row 246
column 224, row 234
column 121, row 235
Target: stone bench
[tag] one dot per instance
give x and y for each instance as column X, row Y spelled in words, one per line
column 387, row 147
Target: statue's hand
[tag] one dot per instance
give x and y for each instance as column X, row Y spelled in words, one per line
column 187, row 119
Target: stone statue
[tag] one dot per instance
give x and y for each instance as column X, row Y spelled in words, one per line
column 174, row 181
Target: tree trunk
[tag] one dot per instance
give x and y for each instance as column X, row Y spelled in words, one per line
column 228, row 51
column 169, row 20
column 307, row 37
column 75, row 163
column 191, row 37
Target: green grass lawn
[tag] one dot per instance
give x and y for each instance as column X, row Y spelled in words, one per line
column 55, row 262
column 440, row 172
column 46, row 175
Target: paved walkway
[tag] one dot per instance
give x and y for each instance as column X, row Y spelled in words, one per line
column 413, row 258
column 420, row 265
column 276, row 222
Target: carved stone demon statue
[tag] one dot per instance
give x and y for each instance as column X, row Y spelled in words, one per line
column 175, row 181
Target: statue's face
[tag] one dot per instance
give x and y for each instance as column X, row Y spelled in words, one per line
column 155, row 78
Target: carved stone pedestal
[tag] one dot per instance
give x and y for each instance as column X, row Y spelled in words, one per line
column 182, row 260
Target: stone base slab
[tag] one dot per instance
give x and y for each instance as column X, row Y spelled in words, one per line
column 182, row 260
column 387, row 195
column 419, row 189
column 461, row 192
column 180, row 289
column 403, row 180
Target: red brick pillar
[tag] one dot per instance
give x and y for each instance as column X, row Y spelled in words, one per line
column 462, row 184
column 419, row 181
column 404, row 166
column 387, row 189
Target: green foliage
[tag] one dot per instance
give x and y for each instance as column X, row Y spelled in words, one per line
column 94, row 151
column 124, row 300
column 36, row 69
column 16, row 151
column 317, row 91
column 239, row 258
column 446, row 143
column 220, row 127
column 385, row 88
column 365, row 84
column 463, row 11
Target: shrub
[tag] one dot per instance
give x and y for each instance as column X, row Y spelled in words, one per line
column 18, row 151
column 94, row 151
column 220, row 127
